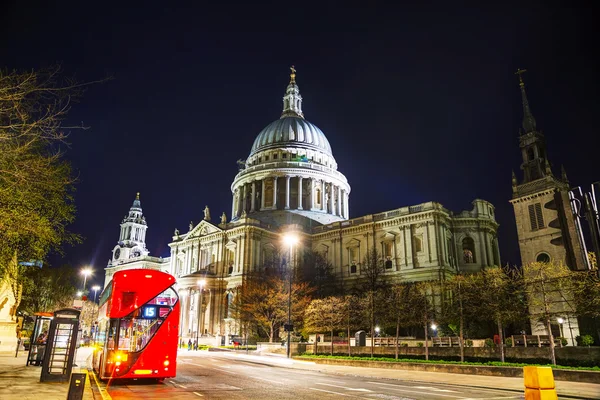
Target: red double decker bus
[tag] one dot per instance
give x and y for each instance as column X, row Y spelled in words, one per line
column 138, row 326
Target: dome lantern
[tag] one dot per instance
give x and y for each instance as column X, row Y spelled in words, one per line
column 292, row 101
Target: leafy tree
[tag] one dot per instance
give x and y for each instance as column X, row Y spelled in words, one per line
column 495, row 295
column 36, row 183
column 264, row 301
column 402, row 311
column 326, row 314
column 549, row 289
column 47, row 289
column 424, row 308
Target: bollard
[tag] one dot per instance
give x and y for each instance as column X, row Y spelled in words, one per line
column 539, row 383
column 76, row 386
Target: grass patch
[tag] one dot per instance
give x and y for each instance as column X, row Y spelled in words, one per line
column 423, row 361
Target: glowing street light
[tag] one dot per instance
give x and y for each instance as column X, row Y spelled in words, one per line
column 560, row 321
column 290, row 239
column 79, row 293
column 377, row 329
column 201, row 283
column 86, row 272
column 95, row 289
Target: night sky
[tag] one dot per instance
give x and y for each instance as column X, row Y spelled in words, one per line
column 419, row 103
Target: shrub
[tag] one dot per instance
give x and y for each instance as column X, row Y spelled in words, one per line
column 403, row 344
column 469, row 343
column 508, row 342
column 419, row 344
column 489, row 342
column 564, row 341
column 587, row 340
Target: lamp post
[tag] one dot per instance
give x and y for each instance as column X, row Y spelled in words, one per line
column 290, row 240
column 560, row 325
column 201, row 283
column 95, row 289
column 85, row 272
column 376, row 331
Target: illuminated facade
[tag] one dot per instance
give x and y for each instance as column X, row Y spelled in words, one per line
column 290, row 181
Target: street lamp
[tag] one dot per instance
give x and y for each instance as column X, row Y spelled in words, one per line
column 290, row 239
column 377, row 331
column 201, row 283
column 434, row 329
column 85, row 272
column 79, row 293
column 95, row 289
column 560, row 325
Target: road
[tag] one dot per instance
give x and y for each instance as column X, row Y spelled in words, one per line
column 214, row 375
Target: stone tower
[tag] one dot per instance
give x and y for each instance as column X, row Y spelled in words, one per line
column 132, row 239
column 545, row 224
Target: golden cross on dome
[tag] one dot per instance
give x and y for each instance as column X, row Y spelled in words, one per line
column 520, row 72
column 293, row 74
column 137, row 196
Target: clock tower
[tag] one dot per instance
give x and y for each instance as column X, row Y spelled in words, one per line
column 132, row 241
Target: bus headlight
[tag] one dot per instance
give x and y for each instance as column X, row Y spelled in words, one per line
column 166, row 363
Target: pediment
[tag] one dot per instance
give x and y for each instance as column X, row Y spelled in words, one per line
column 388, row 237
column 203, row 228
column 353, row 243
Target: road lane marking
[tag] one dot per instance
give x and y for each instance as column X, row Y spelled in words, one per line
column 435, row 389
column 177, row 384
column 198, row 394
column 397, row 387
column 338, row 393
column 103, row 392
column 345, row 387
column 492, row 398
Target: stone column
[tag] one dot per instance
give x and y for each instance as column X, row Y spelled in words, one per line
column 339, row 200
column 287, row 193
column 331, row 198
column 299, row 193
column 323, row 205
column 243, row 199
column 253, row 200
column 275, row 193
column 312, row 193
column 488, row 246
column 233, row 205
column 483, row 257
column 347, row 199
column 262, row 197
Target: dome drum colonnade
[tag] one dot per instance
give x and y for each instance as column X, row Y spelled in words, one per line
column 291, row 167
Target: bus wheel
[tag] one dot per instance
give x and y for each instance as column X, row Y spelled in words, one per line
column 160, row 380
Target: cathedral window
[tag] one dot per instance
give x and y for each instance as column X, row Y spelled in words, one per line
column 284, row 155
column 530, row 154
column 353, row 269
column 275, row 156
column 259, row 159
column 468, row 246
column 318, row 195
column 536, row 218
column 353, row 255
column 543, row 258
column 266, row 158
column 269, row 193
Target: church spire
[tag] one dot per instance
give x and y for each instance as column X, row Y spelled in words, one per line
column 528, row 120
column 292, row 101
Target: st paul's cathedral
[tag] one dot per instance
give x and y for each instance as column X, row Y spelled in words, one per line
column 290, row 183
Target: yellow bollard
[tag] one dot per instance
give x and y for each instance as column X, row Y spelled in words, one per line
column 539, row 383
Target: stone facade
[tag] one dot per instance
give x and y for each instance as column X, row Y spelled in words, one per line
column 290, row 183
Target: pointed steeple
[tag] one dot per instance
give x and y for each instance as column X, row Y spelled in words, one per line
column 292, row 101
column 564, row 174
column 528, row 120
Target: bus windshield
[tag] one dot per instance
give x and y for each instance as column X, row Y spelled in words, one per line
column 133, row 332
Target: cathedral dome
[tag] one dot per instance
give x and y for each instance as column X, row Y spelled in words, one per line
column 291, row 131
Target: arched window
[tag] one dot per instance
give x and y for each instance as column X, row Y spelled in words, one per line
column 268, row 193
column 417, row 244
column 530, row 154
column 353, row 269
column 318, row 195
column 468, row 246
column 543, row 258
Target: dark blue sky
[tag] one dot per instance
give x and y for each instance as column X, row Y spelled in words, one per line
column 419, row 103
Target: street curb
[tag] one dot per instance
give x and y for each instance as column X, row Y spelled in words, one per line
column 482, row 370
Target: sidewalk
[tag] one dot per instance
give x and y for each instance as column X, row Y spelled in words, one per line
column 20, row 382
